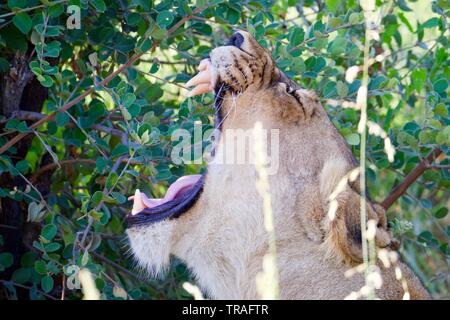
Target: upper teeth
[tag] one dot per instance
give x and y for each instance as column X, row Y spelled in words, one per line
column 138, row 206
column 203, row 81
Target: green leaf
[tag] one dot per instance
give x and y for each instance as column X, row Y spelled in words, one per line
column 443, row 136
column 35, row 212
column 342, row 89
column 296, row 36
column 97, row 215
column 40, row 267
column 45, row 80
column 128, row 100
column 418, row 77
column 85, row 258
column 101, row 164
column 52, row 49
column 119, row 197
column 425, row 237
column 164, row 19
column 441, row 213
column 17, row 4
column 126, row 114
column 163, row 174
column 338, row 46
column 22, row 127
column 402, row 4
column 6, row 260
column 440, row 85
column 99, row 5
column 23, row 22
column 333, row 5
column 112, row 179
column 145, row 45
column 28, row 258
column 62, row 118
column 21, row 275
column 47, row 284
column 119, row 150
column 49, row 231
column 441, row 110
column 377, row 82
column 55, row 10
column 4, row 65
column 352, row 139
column 22, row 166
column 431, row 23
column 96, row 198
column 52, row 247
column 402, row 17
column 134, row 110
column 354, row 18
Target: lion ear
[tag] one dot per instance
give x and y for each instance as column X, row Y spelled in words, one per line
column 295, row 104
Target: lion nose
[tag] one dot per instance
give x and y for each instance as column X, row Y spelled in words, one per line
column 236, row 40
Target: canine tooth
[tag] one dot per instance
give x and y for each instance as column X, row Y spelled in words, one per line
column 138, row 205
column 200, row 89
column 202, row 77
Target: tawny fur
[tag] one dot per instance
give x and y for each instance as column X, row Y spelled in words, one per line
column 222, row 237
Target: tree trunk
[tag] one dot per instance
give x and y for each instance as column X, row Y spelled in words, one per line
column 19, row 90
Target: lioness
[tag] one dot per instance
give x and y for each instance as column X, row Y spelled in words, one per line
column 214, row 222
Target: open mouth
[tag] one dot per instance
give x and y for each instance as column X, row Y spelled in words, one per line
column 184, row 192
column 180, row 197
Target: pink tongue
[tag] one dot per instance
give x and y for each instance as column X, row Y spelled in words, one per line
column 183, row 184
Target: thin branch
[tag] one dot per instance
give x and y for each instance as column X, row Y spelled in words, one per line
column 116, row 266
column 156, row 60
column 28, row 288
column 439, row 167
column 49, row 4
column 400, row 189
column 63, row 283
column 106, row 193
column 6, row 226
column 51, row 166
column 30, row 115
column 161, row 79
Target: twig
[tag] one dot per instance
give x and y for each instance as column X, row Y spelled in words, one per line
column 8, row 226
column 30, row 115
column 161, row 79
column 400, row 189
column 63, row 291
column 439, row 167
column 49, row 4
column 28, row 288
column 53, row 165
column 116, row 266
column 106, row 193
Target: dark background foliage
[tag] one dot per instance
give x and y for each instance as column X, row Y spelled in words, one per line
column 86, row 117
